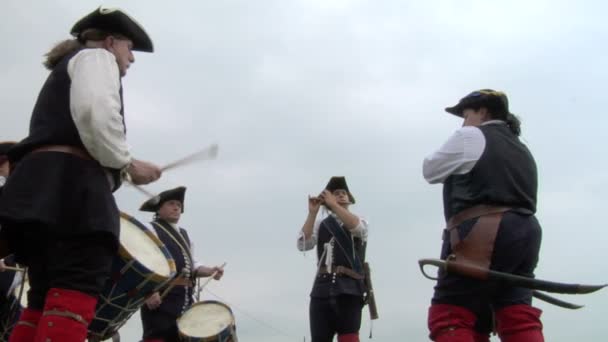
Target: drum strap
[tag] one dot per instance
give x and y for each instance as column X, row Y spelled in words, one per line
column 181, row 241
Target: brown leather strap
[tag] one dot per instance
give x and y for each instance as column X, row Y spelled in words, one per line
column 79, row 152
column 477, row 247
column 343, row 270
column 181, row 282
column 68, row 314
column 473, row 212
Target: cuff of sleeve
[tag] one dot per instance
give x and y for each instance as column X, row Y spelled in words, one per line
column 124, row 173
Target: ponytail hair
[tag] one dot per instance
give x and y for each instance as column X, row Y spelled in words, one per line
column 59, row 51
column 514, row 124
column 68, row 46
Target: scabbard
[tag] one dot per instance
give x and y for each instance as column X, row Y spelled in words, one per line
column 371, row 298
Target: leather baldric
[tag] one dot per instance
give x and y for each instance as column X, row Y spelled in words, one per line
column 477, row 247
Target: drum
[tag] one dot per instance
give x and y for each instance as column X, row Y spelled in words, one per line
column 11, row 309
column 142, row 266
column 208, row 321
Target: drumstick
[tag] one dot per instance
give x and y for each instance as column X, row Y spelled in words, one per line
column 208, row 153
column 16, row 269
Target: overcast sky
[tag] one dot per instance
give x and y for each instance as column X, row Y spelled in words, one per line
column 296, row 91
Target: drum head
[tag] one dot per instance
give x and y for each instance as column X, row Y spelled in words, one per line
column 143, row 246
column 205, row 319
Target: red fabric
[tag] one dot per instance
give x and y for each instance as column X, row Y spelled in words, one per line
column 482, row 337
column 519, row 323
column 348, row 338
column 451, row 323
column 65, row 329
column 26, row 333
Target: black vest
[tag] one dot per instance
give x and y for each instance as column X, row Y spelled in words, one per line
column 51, row 122
column 505, row 175
column 348, row 251
column 179, row 298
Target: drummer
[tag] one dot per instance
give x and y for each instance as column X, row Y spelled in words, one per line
column 159, row 315
column 57, row 210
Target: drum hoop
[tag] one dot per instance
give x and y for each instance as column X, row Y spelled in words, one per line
column 126, row 255
column 210, row 338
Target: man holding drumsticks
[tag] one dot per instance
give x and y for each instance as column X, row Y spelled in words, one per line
column 160, row 312
column 57, row 210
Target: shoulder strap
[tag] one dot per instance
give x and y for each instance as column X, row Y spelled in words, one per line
column 184, row 246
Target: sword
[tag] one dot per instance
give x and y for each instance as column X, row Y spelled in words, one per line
column 514, row 280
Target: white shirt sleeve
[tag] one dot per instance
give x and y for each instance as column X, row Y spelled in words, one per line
column 95, row 106
column 195, row 263
column 458, row 155
column 311, row 242
column 361, row 229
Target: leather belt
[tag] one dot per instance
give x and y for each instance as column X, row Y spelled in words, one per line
column 343, row 270
column 473, row 212
column 77, row 151
column 186, row 282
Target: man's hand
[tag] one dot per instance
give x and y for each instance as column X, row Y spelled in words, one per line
column 314, row 203
column 2, row 265
column 142, row 172
column 329, row 199
column 154, row 301
column 205, row 271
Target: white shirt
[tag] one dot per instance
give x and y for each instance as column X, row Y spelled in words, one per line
column 359, row 231
column 458, row 155
column 95, row 106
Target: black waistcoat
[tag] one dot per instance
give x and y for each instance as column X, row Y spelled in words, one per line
column 179, row 298
column 51, row 122
column 348, row 251
column 504, row 175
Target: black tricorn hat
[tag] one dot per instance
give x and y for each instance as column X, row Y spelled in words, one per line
column 114, row 20
column 497, row 99
column 154, row 203
column 339, row 183
column 5, row 146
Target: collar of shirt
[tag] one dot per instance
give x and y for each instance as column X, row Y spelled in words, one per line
column 174, row 225
column 493, row 122
column 2, row 180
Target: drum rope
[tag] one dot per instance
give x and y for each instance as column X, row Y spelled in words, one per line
column 277, row 330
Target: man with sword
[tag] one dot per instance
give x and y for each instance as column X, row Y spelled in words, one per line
column 489, row 195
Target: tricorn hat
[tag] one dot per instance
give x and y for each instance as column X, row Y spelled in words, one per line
column 339, row 183
column 497, row 99
column 154, row 203
column 114, row 20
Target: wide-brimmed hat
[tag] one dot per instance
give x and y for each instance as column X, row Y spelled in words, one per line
column 339, row 183
column 114, row 20
column 488, row 96
column 154, row 203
